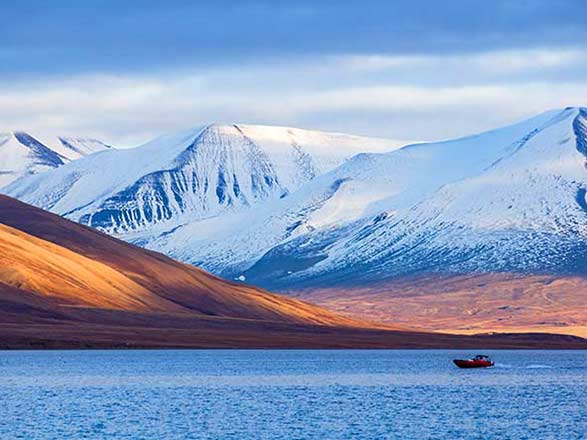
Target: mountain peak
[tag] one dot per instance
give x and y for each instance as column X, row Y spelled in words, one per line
column 23, row 154
column 194, row 174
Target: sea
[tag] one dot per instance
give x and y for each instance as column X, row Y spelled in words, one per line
column 291, row 394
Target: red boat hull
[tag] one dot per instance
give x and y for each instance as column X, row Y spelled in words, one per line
column 472, row 363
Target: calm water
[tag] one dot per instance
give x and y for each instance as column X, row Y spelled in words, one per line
column 291, row 394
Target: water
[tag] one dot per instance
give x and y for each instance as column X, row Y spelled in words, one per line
column 291, row 394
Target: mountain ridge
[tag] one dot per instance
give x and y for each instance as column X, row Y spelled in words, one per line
column 23, row 154
column 418, row 214
column 199, row 172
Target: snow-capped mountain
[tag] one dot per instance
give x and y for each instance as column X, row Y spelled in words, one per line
column 508, row 200
column 286, row 208
column 187, row 177
column 22, row 154
column 73, row 148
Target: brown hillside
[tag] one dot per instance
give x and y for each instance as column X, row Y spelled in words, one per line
column 68, row 286
column 475, row 303
column 42, row 253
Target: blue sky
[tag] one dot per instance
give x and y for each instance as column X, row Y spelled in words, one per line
column 128, row 71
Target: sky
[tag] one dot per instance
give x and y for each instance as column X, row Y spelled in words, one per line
column 126, row 72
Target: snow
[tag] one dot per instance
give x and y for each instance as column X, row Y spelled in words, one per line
column 74, row 148
column 90, row 180
column 22, row 154
column 503, row 200
column 192, row 175
column 497, row 200
column 285, row 145
column 286, row 207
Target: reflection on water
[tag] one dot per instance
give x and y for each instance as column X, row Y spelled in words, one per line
column 287, row 394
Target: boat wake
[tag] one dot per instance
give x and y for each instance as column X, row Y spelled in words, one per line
column 523, row 367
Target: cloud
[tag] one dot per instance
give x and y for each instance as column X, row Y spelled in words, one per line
column 403, row 97
column 494, row 62
column 118, row 37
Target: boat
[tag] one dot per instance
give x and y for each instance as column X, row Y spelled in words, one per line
column 479, row 361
